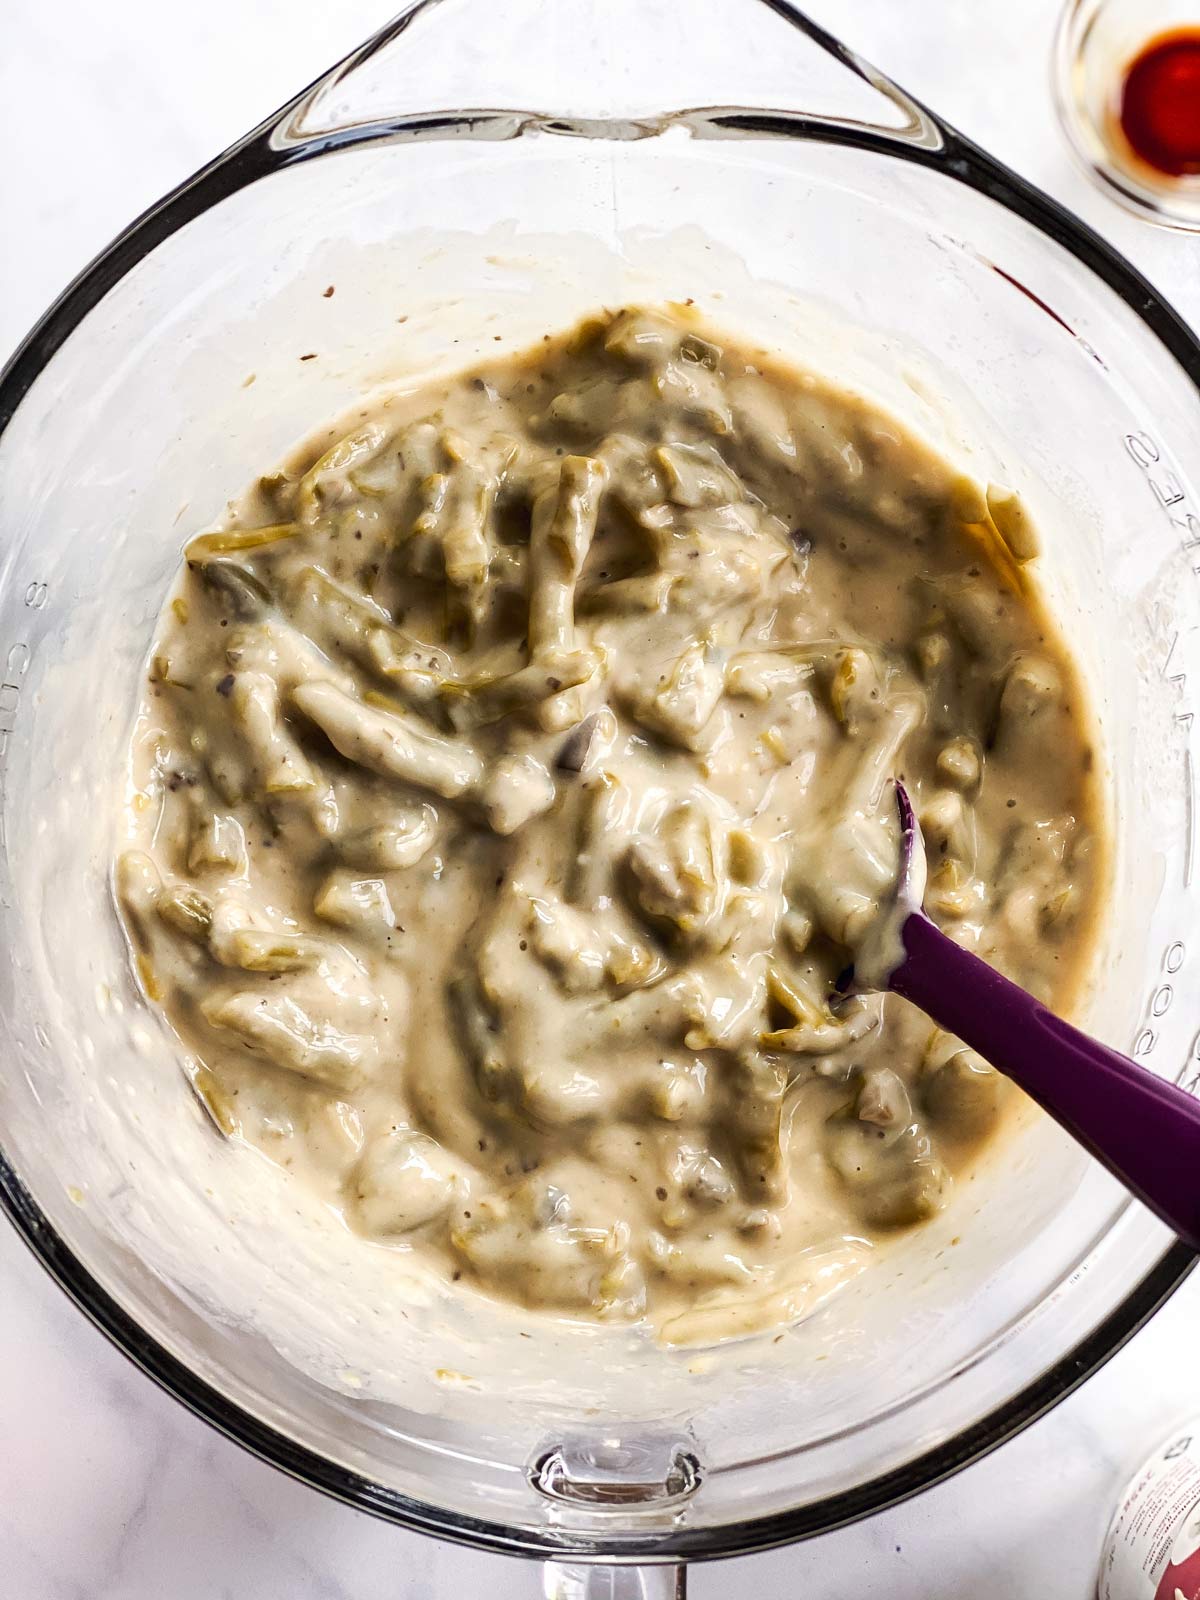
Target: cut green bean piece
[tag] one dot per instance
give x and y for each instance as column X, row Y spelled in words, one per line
column 647, row 591
column 564, row 524
column 280, row 764
column 683, row 706
column 217, row 843
column 187, row 911
column 390, row 846
column 254, row 950
column 230, row 541
column 328, row 476
column 218, row 1105
column 348, row 901
column 279, row 1028
column 391, row 745
column 696, row 475
column 235, row 587
column 470, row 703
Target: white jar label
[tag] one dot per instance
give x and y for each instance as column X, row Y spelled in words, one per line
column 1152, row 1551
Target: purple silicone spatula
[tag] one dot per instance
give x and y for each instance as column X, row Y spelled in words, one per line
column 1144, row 1130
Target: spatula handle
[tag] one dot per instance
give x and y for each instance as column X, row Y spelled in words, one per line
column 1144, row 1130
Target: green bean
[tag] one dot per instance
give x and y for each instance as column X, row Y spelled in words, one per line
column 351, row 618
column 696, row 393
column 696, row 475
column 641, row 338
column 349, row 452
column 893, row 1176
column 962, row 1094
column 753, row 1117
column 684, row 705
column 279, row 1028
column 464, row 521
column 138, row 886
column 235, row 586
column 253, row 950
column 516, row 789
column 352, row 902
column 390, row 846
column 216, row 842
column 187, row 911
column 646, row 591
column 474, row 702
column 281, row 766
column 605, row 822
column 564, row 524
column 217, row 1104
column 404, row 1181
column 387, row 743
column 470, row 1014
column 229, row 541
column 1013, row 523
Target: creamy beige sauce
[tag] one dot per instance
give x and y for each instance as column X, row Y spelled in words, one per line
column 512, row 785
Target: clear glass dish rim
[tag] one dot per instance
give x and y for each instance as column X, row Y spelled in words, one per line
column 270, row 149
column 1139, row 198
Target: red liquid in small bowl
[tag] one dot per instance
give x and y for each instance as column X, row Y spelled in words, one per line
column 1160, row 103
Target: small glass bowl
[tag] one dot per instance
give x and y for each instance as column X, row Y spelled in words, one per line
column 1095, row 43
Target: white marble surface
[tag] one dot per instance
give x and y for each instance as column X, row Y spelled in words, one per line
column 108, row 1490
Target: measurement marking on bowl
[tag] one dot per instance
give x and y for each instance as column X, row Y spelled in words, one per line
column 1170, row 493
column 1168, row 490
column 1184, row 720
column 14, row 667
column 1189, row 1078
column 1161, row 1001
column 1189, row 781
column 16, row 663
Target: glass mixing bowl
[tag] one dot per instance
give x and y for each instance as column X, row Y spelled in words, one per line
column 742, row 158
